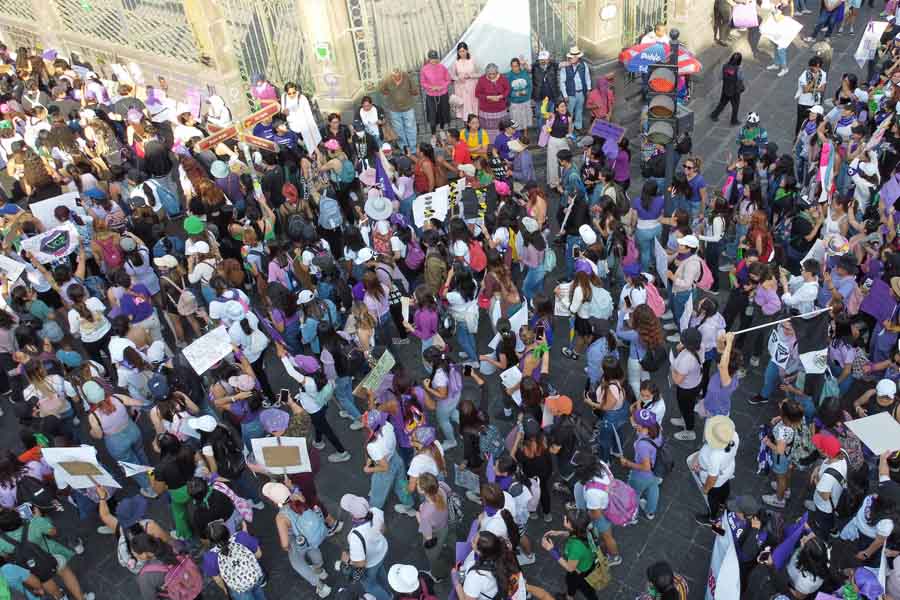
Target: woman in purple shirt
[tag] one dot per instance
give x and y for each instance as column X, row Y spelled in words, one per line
column 641, row 477
column 622, row 165
column 425, row 319
column 648, row 209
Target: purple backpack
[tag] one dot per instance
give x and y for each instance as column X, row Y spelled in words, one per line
column 623, row 501
column 415, row 257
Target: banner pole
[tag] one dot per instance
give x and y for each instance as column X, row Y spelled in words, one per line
column 809, row 314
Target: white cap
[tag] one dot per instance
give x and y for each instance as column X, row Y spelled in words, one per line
column 886, row 387
column 206, row 423
column 588, row 236
column 460, row 248
column 403, row 579
column 689, row 241
column 385, row 147
column 304, row 297
column 817, row 110
column 543, row 55
column 364, row 255
column 200, row 247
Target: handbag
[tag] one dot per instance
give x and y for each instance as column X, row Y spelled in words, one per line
column 744, row 15
column 598, row 576
column 387, row 132
column 544, row 137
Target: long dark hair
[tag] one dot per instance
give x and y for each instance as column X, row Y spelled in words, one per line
column 648, row 193
column 495, row 556
column 219, row 536
column 492, row 496
column 144, row 543
column 735, row 59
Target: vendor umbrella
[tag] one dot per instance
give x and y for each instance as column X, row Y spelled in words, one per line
column 638, row 58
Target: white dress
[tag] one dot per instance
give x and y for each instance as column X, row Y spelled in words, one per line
column 300, row 120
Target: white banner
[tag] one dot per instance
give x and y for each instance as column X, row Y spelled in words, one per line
column 869, row 42
column 43, row 210
column 724, row 580
column 780, row 31
column 501, row 31
column 207, row 350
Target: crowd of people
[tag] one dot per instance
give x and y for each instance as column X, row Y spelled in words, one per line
column 126, row 241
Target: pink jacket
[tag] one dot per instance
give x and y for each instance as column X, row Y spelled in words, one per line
column 434, row 76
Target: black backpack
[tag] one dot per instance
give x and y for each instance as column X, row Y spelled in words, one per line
column 653, row 359
column 228, row 453
column 34, row 491
column 31, row 556
column 446, row 323
column 294, row 227
column 664, row 463
column 355, row 361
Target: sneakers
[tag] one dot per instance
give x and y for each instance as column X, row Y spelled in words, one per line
column 548, row 518
column 104, row 530
column 787, row 492
column 400, row 341
column 806, row 12
column 773, row 501
column 702, row 519
column 569, row 353
column 649, row 516
column 633, row 521
column 449, row 445
column 757, row 399
column 403, row 509
column 772, row 67
column 526, row 559
column 473, row 496
column 726, row 267
column 323, row 590
column 677, row 421
column 319, row 445
column 88, row 596
column 339, row 457
column 356, row 425
column 335, row 529
column 754, row 361
column 783, row 72
column 612, row 561
column 809, row 39
column 742, row 372
column 670, row 327
column 344, row 414
column 674, row 338
column 560, row 488
column 666, row 315
column 851, row 30
column 685, row 436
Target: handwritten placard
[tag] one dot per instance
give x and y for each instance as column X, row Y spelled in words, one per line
column 431, row 206
column 209, row 349
column 374, row 378
column 78, row 468
column 12, row 268
column 43, row 210
column 283, row 455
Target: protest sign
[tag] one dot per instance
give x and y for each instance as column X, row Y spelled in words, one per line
column 781, row 30
column 53, row 244
column 869, row 42
column 378, row 372
column 43, row 210
column 282, row 455
column 724, row 579
column 78, row 467
column 611, row 134
column 433, row 205
column 12, row 268
column 879, row 433
column 207, row 350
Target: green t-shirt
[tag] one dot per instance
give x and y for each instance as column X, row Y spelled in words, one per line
column 37, row 534
column 579, row 551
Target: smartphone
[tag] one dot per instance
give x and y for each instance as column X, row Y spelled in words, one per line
column 283, row 396
column 25, row 511
column 764, row 556
column 539, row 331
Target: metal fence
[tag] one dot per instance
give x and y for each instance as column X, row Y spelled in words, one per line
column 554, row 26
column 639, row 17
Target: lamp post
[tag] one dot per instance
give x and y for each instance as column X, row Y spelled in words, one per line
column 670, row 147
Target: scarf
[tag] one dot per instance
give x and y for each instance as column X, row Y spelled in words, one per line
column 491, row 511
column 810, row 127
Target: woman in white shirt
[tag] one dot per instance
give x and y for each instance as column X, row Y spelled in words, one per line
column 808, row 568
column 252, row 342
column 873, row 524
column 87, row 320
column 715, row 464
column 300, row 118
column 384, row 464
column 429, row 457
column 490, row 571
column 462, row 298
column 53, row 394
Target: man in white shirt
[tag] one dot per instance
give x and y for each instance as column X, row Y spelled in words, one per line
column 805, row 288
column 830, row 480
column 810, row 90
column 367, row 545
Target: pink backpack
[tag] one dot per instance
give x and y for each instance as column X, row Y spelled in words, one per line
column 654, row 300
column 623, row 500
column 183, row 581
column 706, row 277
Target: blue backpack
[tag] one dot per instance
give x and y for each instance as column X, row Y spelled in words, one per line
column 330, row 216
column 169, row 199
column 348, row 172
column 309, row 528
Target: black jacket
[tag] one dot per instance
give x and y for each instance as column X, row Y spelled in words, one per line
column 541, row 76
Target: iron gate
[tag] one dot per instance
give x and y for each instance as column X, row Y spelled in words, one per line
column 639, row 17
column 554, row 26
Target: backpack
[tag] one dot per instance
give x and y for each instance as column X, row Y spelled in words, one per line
column 381, row 243
column 851, row 498
column 415, row 257
column 348, row 172
column 706, row 277
column 124, row 555
column 229, row 455
column 653, row 359
column 549, row 262
column 295, row 226
column 354, row 359
column 664, row 462
column 490, row 442
column 111, row 252
column 424, row 591
column 477, row 257
column 31, row 556
column 654, row 300
column 169, row 199
column 186, row 304
column 239, row 568
column 623, row 502
column 454, row 382
column 309, row 528
column 34, row 491
column 330, row 215
column 581, row 430
column 183, row 580
column 455, row 513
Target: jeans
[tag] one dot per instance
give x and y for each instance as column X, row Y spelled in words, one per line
column 534, row 282
column 645, row 239
column 846, row 384
column 323, row 427
column 466, row 340
column 800, row 5
column 826, row 21
column 687, row 205
column 572, row 242
column 712, row 252
column 343, row 391
column 254, row 593
column 374, row 581
column 404, row 124
column 770, row 379
column 446, row 412
column 646, row 487
column 781, row 57
column 251, row 430
column 576, row 107
column 381, row 483
column 127, row 445
column 740, row 230
column 305, row 561
column 384, row 331
column 679, row 300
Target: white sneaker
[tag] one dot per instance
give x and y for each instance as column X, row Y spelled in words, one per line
column 526, row 559
column 666, row 315
column 670, row 327
column 725, row 267
column 449, row 445
column 402, row 509
column 754, row 361
column 344, row 414
column 673, row 338
column 851, row 30
column 319, row 445
column 339, row 457
column 356, row 426
column 104, row 530
column 323, row 590
column 88, row 596
column 677, row 421
column 772, row 67
column 773, row 501
column 685, row 436
column 809, row 39
column 782, row 72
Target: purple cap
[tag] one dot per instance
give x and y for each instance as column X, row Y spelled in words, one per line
column 374, row 419
column 359, row 292
column 273, row 420
column 583, row 266
column 425, row 436
column 644, row 417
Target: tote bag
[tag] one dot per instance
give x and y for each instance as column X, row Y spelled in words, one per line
column 744, row 15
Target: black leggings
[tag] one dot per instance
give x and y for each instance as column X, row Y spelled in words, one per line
column 259, row 369
column 323, row 427
column 575, row 582
column 686, row 401
column 735, row 106
column 717, row 497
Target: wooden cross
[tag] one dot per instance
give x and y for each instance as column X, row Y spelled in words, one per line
column 240, row 130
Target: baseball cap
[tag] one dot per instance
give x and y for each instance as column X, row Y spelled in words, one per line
column 543, row 55
column 206, row 423
column 357, row 506
column 197, row 248
column 689, row 241
column 560, row 405
column 827, row 444
column 745, row 504
column 886, row 387
column 278, row 493
column 158, row 386
column 364, row 255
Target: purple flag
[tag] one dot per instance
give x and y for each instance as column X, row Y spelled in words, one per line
column 381, row 177
column 890, row 191
column 489, row 472
column 270, row 329
column 879, row 302
column 462, row 551
column 792, row 535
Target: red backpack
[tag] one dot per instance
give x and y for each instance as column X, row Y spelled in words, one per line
column 183, row 580
column 477, row 257
column 112, row 254
column 381, row 244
